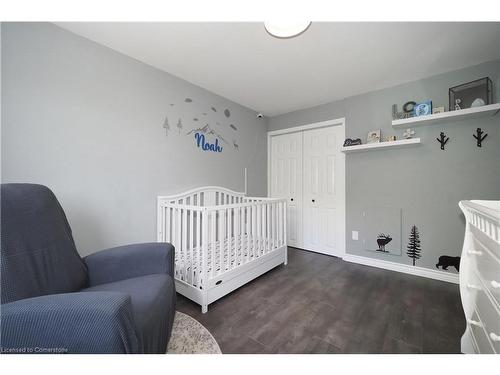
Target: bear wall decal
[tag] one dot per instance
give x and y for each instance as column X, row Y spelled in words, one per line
column 446, row 261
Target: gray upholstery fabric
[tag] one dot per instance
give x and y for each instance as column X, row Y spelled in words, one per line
column 124, row 262
column 128, row 306
column 69, row 323
column 38, row 254
column 152, row 296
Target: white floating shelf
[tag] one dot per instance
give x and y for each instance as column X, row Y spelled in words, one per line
column 381, row 145
column 461, row 114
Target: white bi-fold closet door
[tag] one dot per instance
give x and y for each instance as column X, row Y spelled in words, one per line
column 307, row 168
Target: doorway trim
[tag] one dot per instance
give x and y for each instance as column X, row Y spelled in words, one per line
column 315, row 125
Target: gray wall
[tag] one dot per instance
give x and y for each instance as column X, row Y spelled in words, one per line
column 425, row 182
column 87, row 122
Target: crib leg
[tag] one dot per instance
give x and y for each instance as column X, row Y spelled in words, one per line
column 286, row 257
column 204, row 309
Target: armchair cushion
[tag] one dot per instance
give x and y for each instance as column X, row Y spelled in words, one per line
column 38, row 254
column 153, row 306
column 69, row 323
column 124, row 262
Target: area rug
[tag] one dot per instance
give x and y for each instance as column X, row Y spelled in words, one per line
column 190, row 337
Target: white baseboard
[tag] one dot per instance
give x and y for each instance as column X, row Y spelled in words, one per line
column 404, row 268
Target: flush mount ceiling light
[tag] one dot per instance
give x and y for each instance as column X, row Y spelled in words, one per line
column 286, row 29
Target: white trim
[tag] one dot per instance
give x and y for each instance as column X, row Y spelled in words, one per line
column 403, row 268
column 315, row 125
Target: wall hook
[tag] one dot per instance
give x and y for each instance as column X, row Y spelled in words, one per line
column 442, row 139
column 479, row 137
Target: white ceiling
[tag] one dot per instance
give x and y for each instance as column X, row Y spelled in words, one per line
column 330, row 61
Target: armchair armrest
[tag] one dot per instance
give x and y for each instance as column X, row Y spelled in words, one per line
column 89, row 322
column 125, row 262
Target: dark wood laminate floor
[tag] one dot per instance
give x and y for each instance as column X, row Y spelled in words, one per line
column 321, row 304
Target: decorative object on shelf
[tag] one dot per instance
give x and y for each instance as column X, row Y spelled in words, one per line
column 382, row 240
column 390, row 138
column 408, row 107
column 423, row 109
column 373, row 136
column 463, row 96
column 478, row 102
column 413, row 249
column 352, row 142
column 408, row 133
column 446, row 261
column 479, row 137
column 442, row 139
column 438, row 110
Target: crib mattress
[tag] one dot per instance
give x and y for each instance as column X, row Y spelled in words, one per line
column 236, row 251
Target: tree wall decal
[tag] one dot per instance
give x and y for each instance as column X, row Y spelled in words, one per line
column 166, row 126
column 179, row 125
column 413, row 248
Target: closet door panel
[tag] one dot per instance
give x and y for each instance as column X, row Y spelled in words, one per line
column 286, row 177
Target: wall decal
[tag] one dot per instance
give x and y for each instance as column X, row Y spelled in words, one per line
column 166, row 126
column 479, row 137
column 233, row 127
column 188, row 100
column 207, row 130
column 206, row 146
column 413, row 248
column 382, row 240
column 204, row 113
column 195, row 119
column 446, row 261
column 381, row 230
column 227, row 113
column 442, row 139
column 213, row 109
column 179, row 125
column 235, row 145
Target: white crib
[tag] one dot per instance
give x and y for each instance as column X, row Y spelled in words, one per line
column 222, row 239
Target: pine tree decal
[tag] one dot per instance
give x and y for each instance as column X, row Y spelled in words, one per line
column 166, row 125
column 413, row 248
column 179, row 125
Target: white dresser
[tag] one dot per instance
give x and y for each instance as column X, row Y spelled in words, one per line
column 480, row 276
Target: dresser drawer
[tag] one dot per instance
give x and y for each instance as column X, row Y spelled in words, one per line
column 490, row 317
column 481, row 340
column 484, row 257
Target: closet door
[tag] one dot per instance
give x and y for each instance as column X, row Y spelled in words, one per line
column 286, row 181
column 322, row 194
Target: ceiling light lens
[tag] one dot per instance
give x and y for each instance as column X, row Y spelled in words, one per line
column 286, row 29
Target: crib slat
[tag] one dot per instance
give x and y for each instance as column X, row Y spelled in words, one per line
column 204, row 250
column 229, row 237
column 268, row 228
column 249, row 217
column 213, row 241
column 198, row 248
column 191, row 244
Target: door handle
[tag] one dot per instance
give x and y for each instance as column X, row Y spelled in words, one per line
column 495, row 284
column 474, row 323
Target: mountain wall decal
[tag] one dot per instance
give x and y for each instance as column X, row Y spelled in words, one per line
column 207, row 130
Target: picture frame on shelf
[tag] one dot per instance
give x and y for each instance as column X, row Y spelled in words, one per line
column 423, row 108
column 438, row 110
column 373, row 136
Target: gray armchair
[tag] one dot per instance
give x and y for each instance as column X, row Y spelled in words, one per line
column 120, row 300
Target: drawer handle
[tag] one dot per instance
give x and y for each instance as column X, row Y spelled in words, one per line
column 472, row 286
column 474, row 323
column 495, row 284
column 474, row 252
column 494, row 337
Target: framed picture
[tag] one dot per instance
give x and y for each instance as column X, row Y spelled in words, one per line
column 423, row 109
column 373, row 136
